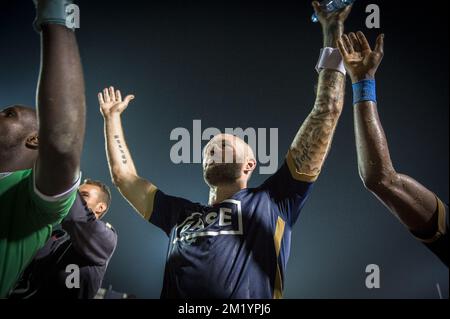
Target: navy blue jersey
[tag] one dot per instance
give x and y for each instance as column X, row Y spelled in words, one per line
column 81, row 240
column 238, row 248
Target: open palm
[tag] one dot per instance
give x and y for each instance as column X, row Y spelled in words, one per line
column 111, row 102
column 360, row 60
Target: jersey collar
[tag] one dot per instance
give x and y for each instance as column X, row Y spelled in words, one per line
column 3, row 175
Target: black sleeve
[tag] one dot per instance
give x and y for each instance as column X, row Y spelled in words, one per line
column 439, row 244
column 166, row 210
column 91, row 237
column 289, row 190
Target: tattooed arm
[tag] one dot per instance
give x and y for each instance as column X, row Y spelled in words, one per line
column 137, row 191
column 312, row 142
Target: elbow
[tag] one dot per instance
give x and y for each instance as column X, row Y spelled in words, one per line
column 118, row 177
column 63, row 139
column 377, row 182
column 335, row 106
column 371, row 183
column 66, row 150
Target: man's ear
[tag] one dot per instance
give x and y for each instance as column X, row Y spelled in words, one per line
column 32, row 141
column 250, row 166
column 101, row 207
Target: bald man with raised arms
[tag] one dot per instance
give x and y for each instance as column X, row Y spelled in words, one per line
column 238, row 245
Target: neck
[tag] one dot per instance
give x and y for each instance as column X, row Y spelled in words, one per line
column 13, row 160
column 219, row 193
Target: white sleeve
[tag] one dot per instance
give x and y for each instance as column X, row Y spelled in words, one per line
column 330, row 58
column 57, row 197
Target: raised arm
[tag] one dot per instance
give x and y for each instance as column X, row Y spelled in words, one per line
column 312, row 142
column 61, row 110
column 139, row 192
column 407, row 199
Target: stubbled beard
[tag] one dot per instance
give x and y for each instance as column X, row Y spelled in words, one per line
column 224, row 173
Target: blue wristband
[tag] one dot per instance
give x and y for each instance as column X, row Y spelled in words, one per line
column 364, row 90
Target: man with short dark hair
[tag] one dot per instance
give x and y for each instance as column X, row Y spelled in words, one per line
column 83, row 241
column 102, row 199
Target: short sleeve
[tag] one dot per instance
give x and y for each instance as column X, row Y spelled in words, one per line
column 52, row 209
column 289, row 190
column 166, row 210
column 439, row 244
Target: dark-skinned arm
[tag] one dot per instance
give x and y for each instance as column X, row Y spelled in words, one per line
column 61, row 110
column 407, row 199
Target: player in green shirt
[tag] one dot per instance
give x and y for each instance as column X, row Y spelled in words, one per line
column 39, row 164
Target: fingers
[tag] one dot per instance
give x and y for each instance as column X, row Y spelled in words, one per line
column 342, row 48
column 112, row 94
column 109, row 95
column 128, row 98
column 316, row 6
column 106, row 95
column 348, row 44
column 118, row 96
column 344, row 13
column 363, row 41
column 355, row 42
column 100, row 98
column 347, row 9
column 379, row 47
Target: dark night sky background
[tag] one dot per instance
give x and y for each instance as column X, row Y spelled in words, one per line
column 251, row 64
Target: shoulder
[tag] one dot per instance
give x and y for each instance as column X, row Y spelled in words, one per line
column 8, row 180
column 110, row 227
column 173, row 201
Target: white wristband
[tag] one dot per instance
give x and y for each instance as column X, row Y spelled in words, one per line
column 58, row 197
column 330, row 59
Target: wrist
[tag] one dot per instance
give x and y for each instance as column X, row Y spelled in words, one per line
column 111, row 117
column 333, row 25
column 330, row 58
column 361, row 77
column 364, row 90
column 332, row 33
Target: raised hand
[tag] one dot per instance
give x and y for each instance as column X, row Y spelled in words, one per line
column 111, row 102
column 336, row 17
column 332, row 24
column 360, row 60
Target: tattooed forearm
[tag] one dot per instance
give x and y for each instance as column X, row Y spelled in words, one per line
column 121, row 150
column 312, row 142
column 117, row 152
column 139, row 192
